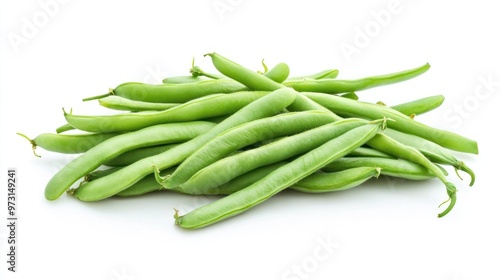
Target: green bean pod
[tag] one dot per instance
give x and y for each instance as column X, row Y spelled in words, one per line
column 145, row 185
column 245, row 135
column 173, row 93
column 64, row 128
column 350, row 95
column 96, row 156
column 67, row 143
column 389, row 145
column 336, row 181
column 278, row 180
column 325, row 74
column 315, row 183
column 369, row 152
column 432, row 151
column 120, row 103
column 205, row 107
column 419, row 106
column 391, row 167
column 228, row 168
column 249, row 78
column 132, row 156
column 334, row 86
column 108, row 186
column 255, row 81
column 352, row 108
column 319, row 182
column 184, row 80
column 278, row 73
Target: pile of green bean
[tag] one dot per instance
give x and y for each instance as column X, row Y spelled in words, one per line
column 246, row 136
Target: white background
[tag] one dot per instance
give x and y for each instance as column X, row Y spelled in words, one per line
column 383, row 230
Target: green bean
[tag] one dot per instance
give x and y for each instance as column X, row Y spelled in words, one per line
column 380, row 142
column 350, row 95
column 278, row 73
column 432, row 151
column 196, row 71
column 368, row 152
column 388, row 145
column 244, row 180
column 67, row 143
column 315, row 183
column 247, row 77
column 278, row 180
column 132, row 156
column 120, row 103
column 334, row 86
column 228, row 168
column 391, row 167
column 201, row 108
column 336, row 181
column 64, row 128
column 255, row 81
column 325, row 74
column 108, row 186
column 419, row 106
column 242, row 136
column 96, row 174
column 93, row 158
column 352, row 108
column 172, row 93
column 145, row 185
column 184, row 79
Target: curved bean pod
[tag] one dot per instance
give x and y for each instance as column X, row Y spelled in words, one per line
column 64, row 128
column 277, row 180
column 255, row 81
column 388, row 145
column 93, row 158
column 325, row 74
column 201, row 108
column 244, row 135
column 336, row 181
column 228, row 168
column 120, row 103
column 419, row 106
column 369, row 152
column 108, row 186
column 132, row 156
column 314, row 183
column 352, row 108
column 172, row 93
column 432, row 151
column 67, row 143
column 391, row 167
column 278, row 73
column 350, row 95
column 249, row 78
column 145, row 185
column 184, row 79
column 334, row 86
